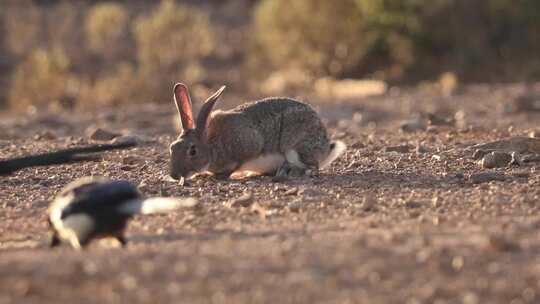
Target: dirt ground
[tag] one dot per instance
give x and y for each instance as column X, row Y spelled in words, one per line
column 387, row 223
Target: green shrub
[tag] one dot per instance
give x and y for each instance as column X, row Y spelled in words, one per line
column 320, row 36
column 106, row 28
column 41, row 79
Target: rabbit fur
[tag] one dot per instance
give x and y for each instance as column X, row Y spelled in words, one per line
column 271, row 136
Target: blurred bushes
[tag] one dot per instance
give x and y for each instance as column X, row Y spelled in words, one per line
column 323, row 37
column 172, row 36
column 171, row 42
column 22, row 26
column 41, row 79
column 100, row 52
column 392, row 38
column 107, row 28
column 123, row 84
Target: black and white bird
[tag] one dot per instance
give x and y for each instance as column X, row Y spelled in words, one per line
column 91, row 208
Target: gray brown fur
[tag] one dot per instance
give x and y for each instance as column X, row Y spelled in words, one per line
column 233, row 137
column 267, row 126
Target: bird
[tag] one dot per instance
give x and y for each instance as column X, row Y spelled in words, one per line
column 95, row 207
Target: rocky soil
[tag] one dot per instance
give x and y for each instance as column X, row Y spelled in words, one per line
column 412, row 213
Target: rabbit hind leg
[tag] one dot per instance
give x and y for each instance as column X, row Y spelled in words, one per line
column 294, row 167
column 308, row 156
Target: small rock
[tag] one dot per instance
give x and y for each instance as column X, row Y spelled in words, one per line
column 534, row 134
column 419, row 149
column 130, row 160
column 310, row 192
column 368, row 204
column 436, row 120
column 496, row 160
column 412, row 204
column 485, row 177
column 459, row 175
column 500, row 243
column 143, row 186
column 47, row 135
column 398, row 149
column 411, row 126
column 102, row 135
column 526, row 103
column 433, row 129
column 294, row 207
column 521, row 174
column 260, row 210
column 245, row 200
column 292, row 191
column 436, row 157
column 358, row 145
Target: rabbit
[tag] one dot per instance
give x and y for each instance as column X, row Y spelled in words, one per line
column 93, row 207
column 273, row 136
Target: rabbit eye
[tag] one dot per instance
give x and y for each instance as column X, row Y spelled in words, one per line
column 192, row 151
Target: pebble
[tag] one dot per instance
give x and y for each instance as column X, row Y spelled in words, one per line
column 368, row 204
column 419, row 149
column 412, row 204
column 411, row 126
column 100, row 134
column 291, row 191
column 130, row 160
column 294, row 207
column 47, row 135
column 526, row 103
column 398, row 149
column 245, row 200
column 310, row 192
column 436, row 120
column 534, row 134
column 500, row 243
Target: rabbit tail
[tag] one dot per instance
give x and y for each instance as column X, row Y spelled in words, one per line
column 336, row 149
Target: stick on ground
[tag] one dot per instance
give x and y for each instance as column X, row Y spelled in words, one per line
column 58, row 157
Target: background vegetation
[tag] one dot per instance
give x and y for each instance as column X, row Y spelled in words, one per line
column 82, row 53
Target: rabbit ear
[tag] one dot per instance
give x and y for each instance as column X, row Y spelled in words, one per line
column 183, row 104
column 204, row 114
